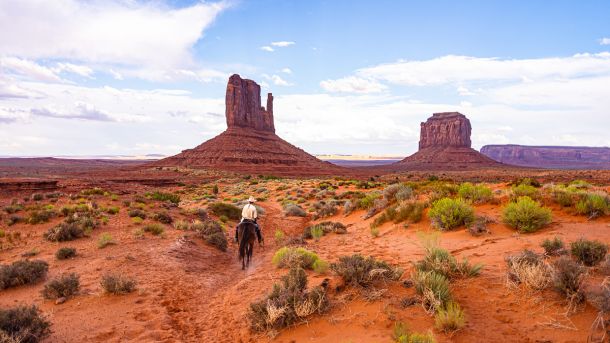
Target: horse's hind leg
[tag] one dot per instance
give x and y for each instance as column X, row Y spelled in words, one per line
column 250, row 252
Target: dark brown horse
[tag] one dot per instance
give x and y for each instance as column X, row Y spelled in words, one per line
column 247, row 236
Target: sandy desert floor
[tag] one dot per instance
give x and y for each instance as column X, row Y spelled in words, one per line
column 189, row 291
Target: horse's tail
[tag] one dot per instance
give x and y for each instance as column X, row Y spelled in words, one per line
column 243, row 240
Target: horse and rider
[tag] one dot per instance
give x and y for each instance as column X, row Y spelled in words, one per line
column 247, row 231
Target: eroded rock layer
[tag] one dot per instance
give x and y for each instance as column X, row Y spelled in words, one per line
column 560, row 157
column 249, row 144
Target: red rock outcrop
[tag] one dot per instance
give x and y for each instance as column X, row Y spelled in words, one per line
column 557, row 157
column 447, row 129
column 445, row 145
column 250, row 145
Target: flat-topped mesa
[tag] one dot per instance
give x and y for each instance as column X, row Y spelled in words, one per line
column 243, row 105
column 446, row 129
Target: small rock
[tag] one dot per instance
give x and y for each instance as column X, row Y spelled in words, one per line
column 60, row 301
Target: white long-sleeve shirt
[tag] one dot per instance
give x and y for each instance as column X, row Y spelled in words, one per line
column 249, row 212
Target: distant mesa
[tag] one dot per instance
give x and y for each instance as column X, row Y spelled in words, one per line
column 250, row 145
column 552, row 157
column 444, row 144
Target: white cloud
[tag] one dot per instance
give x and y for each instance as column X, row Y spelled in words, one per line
column 277, row 80
column 125, row 32
column 352, row 84
column 282, row 44
column 267, row 48
column 28, row 69
column 460, row 69
column 464, row 91
column 286, row 71
column 75, row 69
column 604, row 41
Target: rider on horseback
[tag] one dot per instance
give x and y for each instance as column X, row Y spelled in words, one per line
column 249, row 213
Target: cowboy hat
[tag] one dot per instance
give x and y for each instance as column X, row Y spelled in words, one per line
column 251, row 199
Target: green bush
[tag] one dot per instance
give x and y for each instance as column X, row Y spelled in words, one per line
column 288, row 257
column 23, row 324
column 526, row 215
column 434, row 289
column 593, row 205
column 212, row 233
column 412, row 211
column 117, row 284
column 23, row 272
column 477, row 194
column 364, row 271
column 450, row 318
column 65, row 253
column 441, row 261
column 224, row 209
column 105, row 240
column 288, row 303
column 293, row 210
column 589, row 252
column 447, row 213
column 155, row 229
column 62, row 286
column 402, row 334
column 553, row 247
column 525, row 190
column 136, row 212
column 318, row 230
column 163, row 217
column 41, row 216
column 169, row 197
column 113, row 210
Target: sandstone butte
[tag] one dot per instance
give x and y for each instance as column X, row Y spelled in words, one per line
column 554, row 157
column 444, row 144
column 249, row 144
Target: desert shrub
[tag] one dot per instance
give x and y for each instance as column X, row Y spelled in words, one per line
column 441, row 261
column 447, row 213
column 224, row 209
column 12, row 208
column 530, row 269
column 137, row 220
column 64, row 232
column 212, row 233
column 41, row 216
column 433, row 288
column 181, row 225
column 202, row 214
column 320, row 266
column 288, row 303
column 479, row 226
column 402, row 334
column 600, row 298
column 404, row 193
column 136, row 212
column 155, row 229
column 293, row 210
column 65, row 253
column 450, row 318
column 563, row 196
column 588, row 252
column 113, row 210
column 169, row 197
column 593, row 205
column 553, row 247
column 389, row 193
column 23, row 272
column 62, row 286
column 288, row 257
column 524, row 190
column 526, row 215
column 117, row 284
column 325, row 209
column 323, row 228
column 368, row 201
column 163, row 217
column 477, row 194
column 567, row 278
column 279, row 236
column 104, row 240
column 364, row 271
column 23, row 324
column 93, row 191
column 412, row 211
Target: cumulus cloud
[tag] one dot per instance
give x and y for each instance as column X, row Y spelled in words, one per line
column 286, row 71
column 75, row 69
column 352, row 84
column 277, row 80
column 460, row 69
column 126, row 32
column 28, row 69
column 604, row 41
column 267, row 48
column 80, row 110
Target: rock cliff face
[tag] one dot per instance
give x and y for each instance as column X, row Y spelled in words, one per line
column 243, row 105
column 448, row 129
column 558, row 157
column 444, row 144
column 250, row 145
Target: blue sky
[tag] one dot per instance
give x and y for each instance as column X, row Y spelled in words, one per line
column 352, row 77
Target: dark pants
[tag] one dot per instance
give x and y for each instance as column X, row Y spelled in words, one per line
column 258, row 232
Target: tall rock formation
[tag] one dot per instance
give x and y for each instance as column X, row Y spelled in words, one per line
column 444, row 144
column 250, row 145
column 553, row 157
